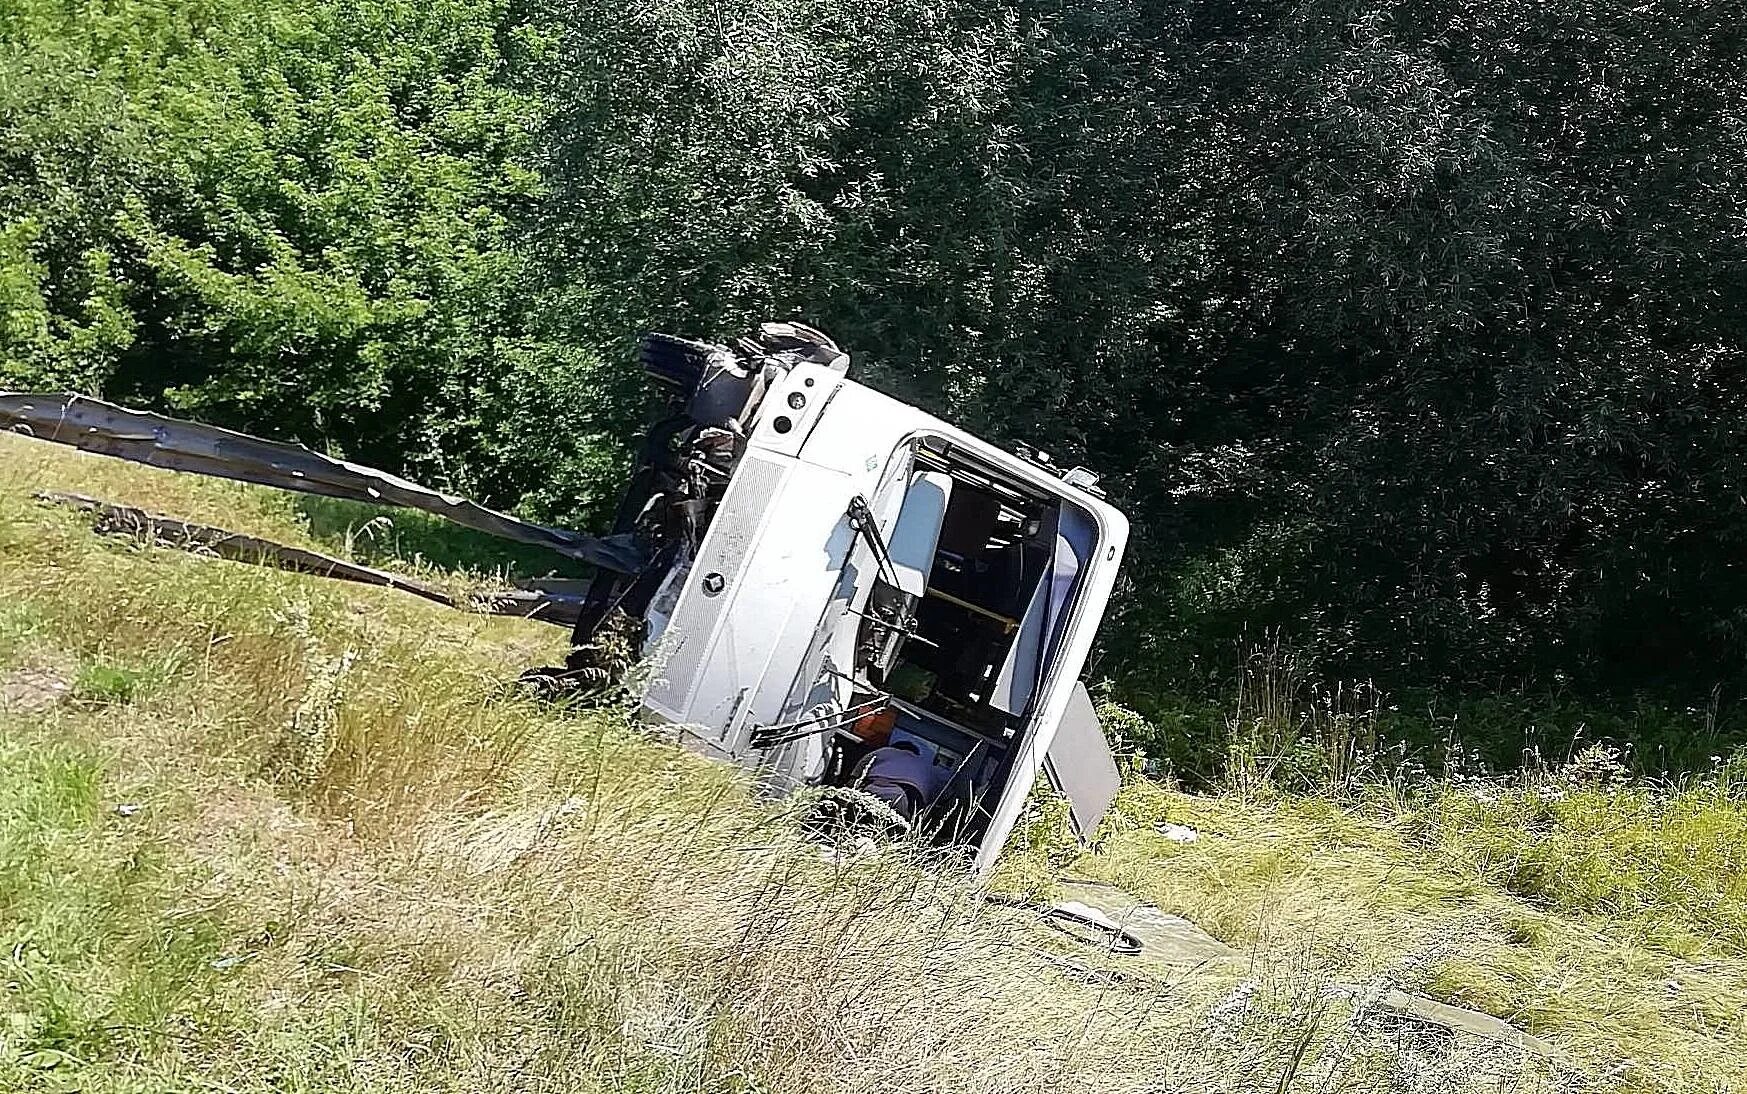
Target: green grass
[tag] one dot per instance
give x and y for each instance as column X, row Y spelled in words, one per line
column 107, row 682
column 1605, row 920
column 289, row 835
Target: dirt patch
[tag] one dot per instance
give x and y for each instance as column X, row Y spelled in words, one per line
column 32, row 691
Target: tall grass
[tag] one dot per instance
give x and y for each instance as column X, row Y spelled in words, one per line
column 294, row 836
column 1593, row 905
column 1289, row 732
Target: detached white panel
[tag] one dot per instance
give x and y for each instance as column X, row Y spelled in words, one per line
column 1080, row 765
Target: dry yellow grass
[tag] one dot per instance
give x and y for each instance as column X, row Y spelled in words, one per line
column 292, row 835
column 1655, row 999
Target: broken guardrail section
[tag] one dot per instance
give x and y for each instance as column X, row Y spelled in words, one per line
column 550, row 600
column 96, row 426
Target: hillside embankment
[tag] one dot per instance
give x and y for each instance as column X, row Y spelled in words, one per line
column 260, row 832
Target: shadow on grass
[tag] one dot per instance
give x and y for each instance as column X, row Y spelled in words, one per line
column 380, row 535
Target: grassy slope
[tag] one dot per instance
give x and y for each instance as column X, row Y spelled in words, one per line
column 356, row 864
column 1493, row 903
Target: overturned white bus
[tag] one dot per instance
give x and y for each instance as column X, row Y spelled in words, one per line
column 830, row 587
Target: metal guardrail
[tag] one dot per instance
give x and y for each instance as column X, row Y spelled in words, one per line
column 94, row 425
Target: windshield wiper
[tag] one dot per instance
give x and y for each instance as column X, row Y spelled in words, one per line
column 861, row 519
column 817, row 723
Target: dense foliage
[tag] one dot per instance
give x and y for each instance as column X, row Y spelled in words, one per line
column 297, row 217
column 1413, row 329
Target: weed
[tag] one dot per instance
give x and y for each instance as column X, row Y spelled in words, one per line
column 1289, row 733
column 104, row 682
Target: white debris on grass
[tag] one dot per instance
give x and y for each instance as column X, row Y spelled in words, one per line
column 1178, row 833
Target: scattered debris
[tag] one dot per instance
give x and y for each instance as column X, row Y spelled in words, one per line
column 1158, row 937
column 1089, row 924
column 1177, row 833
column 1406, row 1009
column 127, row 809
column 1145, row 936
column 143, row 437
column 1432, row 1040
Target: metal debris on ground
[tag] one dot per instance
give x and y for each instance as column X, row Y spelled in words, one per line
column 551, row 600
column 1178, row 833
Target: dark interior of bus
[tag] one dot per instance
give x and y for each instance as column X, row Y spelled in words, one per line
column 944, row 640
